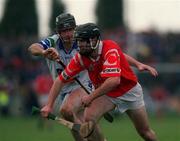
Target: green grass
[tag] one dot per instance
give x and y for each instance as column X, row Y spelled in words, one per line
column 25, row 129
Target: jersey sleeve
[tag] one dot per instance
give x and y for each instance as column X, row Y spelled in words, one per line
column 111, row 66
column 49, row 42
column 72, row 69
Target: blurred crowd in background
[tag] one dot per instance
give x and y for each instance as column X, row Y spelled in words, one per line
column 23, row 77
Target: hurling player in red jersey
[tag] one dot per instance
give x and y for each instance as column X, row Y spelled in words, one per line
column 116, row 86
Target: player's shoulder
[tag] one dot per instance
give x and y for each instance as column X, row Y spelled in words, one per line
column 109, row 43
column 49, row 41
column 53, row 38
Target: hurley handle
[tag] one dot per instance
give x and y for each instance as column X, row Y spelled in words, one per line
column 37, row 111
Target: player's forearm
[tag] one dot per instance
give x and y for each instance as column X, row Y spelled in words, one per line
column 131, row 60
column 36, row 49
column 108, row 85
column 55, row 89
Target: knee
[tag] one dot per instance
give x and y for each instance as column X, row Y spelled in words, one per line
column 147, row 134
column 89, row 117
column 66, row 113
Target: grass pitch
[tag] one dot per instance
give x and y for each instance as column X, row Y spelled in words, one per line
column 26, row 129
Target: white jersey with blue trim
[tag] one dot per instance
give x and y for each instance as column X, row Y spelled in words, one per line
column 55, row 68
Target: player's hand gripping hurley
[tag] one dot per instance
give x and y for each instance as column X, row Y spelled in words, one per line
column 85, row 129
column 68, row 124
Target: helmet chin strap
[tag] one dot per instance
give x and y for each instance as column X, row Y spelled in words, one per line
column 61, row 38
column 97, row 43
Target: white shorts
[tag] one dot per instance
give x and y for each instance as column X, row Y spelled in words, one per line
column 58, row 102
column 133, row 99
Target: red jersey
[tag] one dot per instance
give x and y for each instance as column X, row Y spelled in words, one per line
column 110, row 62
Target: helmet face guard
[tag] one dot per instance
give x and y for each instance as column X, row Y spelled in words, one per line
column 87, row 32
column 65, row 21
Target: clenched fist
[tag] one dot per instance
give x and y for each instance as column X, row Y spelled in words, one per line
column 51, row 53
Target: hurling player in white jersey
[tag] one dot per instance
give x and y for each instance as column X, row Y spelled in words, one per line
column 61, row 46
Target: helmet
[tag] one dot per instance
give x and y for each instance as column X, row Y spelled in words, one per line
column 64, row 21
column 87, row 31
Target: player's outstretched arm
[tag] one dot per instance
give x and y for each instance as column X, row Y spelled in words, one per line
column 140, row 66
column 55, row 89
column 144, row 67
column 36, row 49
column 50, row 53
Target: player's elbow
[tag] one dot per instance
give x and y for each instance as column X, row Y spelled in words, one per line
column 35, row 49
column 30, row 48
